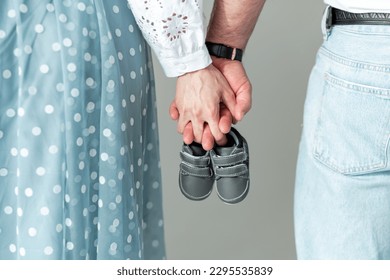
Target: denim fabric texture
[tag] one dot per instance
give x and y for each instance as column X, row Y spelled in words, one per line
column 342, row 192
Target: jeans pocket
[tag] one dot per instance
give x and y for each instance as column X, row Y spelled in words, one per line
column 352, row 132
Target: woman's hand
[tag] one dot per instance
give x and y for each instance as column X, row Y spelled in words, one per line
column 197, row 106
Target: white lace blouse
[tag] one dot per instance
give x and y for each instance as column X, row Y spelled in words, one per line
column 174, row 29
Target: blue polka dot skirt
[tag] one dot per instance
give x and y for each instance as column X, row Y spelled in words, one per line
column 79, row 158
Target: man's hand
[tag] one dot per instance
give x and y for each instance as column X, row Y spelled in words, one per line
column 238, row 80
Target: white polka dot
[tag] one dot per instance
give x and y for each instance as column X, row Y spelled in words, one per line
column 60, row 87
column 23, row 8
column 115, row 9
column 62, row 18
column 90, row 107
column 27, row 49
column 67, row 42
column 68, row 222
column 39, row 28
column 81, row 6
column 149, row 205
column 24, row 152
column 155, row 243
column 17, row 52
column 12, row 248
column 58, row 227
column 79, row 141
column 22, row 252
column 50, row 7
column 11, row 13
column 56, row 46
column 7, row 74
column 133, row 75
column 92, row 152
column 131, row 28
column 118, row 32
column 107, row 132
column 10, row 113
column 71, row 67
column 57, row 189
column 129, row 238
column 21, row 112
column 2, row 34
column 104, row 156
column 102, row 180
column 87, row 57
column 14, row 152
column 1, row 134
column 48, row 251
column 69, row 246
column 155, row 185
column 44, row 68
column 131, row 215
column 28, row 192
column 75, row 92
column 90, row 82
column 3, row 172
column 112, row 206
column 40, row 171
column 77, row 117
column 45, row 211
column 19, row 212
column 32, row 231
column 132, row 52
column 8, row 210
column 32, row 90
column 53, row 149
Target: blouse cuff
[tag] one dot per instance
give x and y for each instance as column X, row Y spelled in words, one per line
column 177, row 66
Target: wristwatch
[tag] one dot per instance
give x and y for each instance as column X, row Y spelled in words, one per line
column 223, row 51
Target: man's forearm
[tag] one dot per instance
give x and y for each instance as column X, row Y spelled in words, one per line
column 232, row 21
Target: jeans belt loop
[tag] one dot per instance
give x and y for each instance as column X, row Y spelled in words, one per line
column 326, row 24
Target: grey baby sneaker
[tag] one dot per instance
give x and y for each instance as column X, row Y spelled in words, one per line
column 231, row 168
column 196, row 177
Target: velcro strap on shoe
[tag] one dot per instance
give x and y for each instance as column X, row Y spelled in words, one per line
column 195, row 171
column 197, row 161
column 233, row 171
column 229, row 160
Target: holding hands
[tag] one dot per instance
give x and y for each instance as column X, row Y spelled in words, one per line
column 209, row 100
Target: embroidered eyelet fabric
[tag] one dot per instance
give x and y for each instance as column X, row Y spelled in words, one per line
column 79, row 156
column 175, row 31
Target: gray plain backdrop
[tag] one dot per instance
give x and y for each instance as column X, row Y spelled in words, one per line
column 278, row 60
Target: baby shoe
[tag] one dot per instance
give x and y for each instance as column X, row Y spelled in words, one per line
column 231, row 168
column 196, row 177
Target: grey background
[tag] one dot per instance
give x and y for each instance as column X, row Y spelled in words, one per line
column 278, row 60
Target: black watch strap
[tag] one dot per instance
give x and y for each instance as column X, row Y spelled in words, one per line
column 223, row 51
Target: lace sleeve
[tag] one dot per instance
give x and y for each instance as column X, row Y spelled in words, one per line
column 174, row 30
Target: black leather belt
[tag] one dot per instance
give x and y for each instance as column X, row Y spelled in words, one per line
column 337, row 16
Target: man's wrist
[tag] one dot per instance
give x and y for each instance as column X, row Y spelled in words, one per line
column 224, row 51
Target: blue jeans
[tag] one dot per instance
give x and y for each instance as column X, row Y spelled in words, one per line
column 342, row 193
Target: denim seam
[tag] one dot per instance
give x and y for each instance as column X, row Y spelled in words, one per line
column 354, row 63
column 363, row 89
